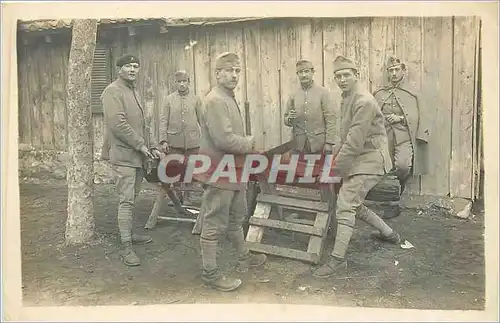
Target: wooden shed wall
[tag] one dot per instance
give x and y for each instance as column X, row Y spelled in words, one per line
column 440, row 53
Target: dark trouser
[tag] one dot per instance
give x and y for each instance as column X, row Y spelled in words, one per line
column 223, row 210
column 128, row 182
column 349, row 207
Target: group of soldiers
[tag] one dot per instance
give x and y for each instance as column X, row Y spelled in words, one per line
column 380, row 133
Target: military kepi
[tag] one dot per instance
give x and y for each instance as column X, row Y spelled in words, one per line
column 303, row 64
column 342, row 63
column 227, row 59
column 127, row 59
column 181, row 75
column 394, row 61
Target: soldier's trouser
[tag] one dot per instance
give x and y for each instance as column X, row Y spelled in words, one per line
column 402, row 155
column 349, row 207
column 128, row 185
column 224, row 211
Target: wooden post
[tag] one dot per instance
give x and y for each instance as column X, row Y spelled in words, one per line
column 80, row 223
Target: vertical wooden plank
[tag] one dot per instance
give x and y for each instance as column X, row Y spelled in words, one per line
column 65, row 60
column 162, row 78
column 24, row 93
column 218, row 44
column 149, row 93
column 46, row 106
column 476, row 141
column 311, row 45
column 34, row 95
column 464, row 39
column 254, row 81
column 289, row 55
column 272, row 119
column 333, row 45
column 358, row 47
column 381, row 47
column 436, row 90
column 234, row 35
column 409, row 49
column 58, row 96
column 202, row 65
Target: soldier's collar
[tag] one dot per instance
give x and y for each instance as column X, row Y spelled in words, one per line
column 130, row 85
column 310, row 85
column 354, row 89
column 225, row 90
column 186, row 93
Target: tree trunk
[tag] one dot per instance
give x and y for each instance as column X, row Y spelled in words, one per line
column 80, row 223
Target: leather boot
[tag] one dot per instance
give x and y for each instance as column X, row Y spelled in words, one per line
column 250, row 260
column 216, row 280
column 211, row 275
column 128, row 255
column 140, row 239
column 393, row 238
column 333, row 266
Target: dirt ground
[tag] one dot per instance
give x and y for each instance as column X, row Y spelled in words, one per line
column 444, row 271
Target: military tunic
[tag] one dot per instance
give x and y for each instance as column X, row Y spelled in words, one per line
column 125, row 134
column 179, row 122
column 398, row 135
column 362, row 158
column 410, row 156
column 315, row 123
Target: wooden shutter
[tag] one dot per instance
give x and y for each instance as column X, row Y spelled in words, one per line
column 101, row 76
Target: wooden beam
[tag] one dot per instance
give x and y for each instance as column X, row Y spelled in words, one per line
column 291, row 203
column 284, row 225
column 284, row 252
column 316, row 244
column 262, row 211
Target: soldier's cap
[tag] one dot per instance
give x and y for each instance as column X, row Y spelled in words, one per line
column 303, row 64
column 181, row 75
column 127, row 59
column 227, row 59
column 342, row 63
column 394, row 61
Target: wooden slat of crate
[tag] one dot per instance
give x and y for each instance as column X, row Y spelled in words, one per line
column 291, row 203
column 283, row 252
column 316, row 243
column 283, row 225
column 262, row 211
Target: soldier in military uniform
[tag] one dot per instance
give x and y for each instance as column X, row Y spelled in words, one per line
column 179, row 122
column 128, row 144
column 406, row 125
column 224, row 202
column 362, row 159
column 310, row 113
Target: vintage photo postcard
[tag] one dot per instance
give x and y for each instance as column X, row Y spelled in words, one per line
column 253, row 161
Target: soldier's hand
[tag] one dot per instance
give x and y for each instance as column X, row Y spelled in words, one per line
column 327, row 148
column 156, row 153
column 292, row 114
column 165, row 148
column 392, row 118
column 146, row 152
